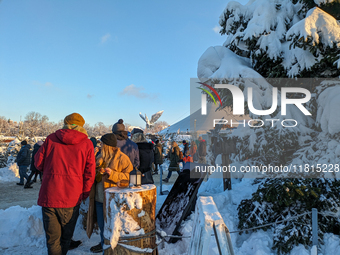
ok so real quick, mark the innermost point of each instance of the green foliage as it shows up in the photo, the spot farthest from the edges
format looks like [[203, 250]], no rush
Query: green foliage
[[281, 199]]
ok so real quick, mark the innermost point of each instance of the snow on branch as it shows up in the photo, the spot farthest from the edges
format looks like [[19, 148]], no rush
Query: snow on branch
[[319, 26]]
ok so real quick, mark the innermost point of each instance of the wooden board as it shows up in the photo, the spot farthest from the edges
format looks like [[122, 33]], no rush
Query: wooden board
[[180, 201]]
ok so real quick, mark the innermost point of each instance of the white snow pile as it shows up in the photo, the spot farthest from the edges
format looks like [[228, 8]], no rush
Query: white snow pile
[[20, 226], [221, 63], [10, 173]]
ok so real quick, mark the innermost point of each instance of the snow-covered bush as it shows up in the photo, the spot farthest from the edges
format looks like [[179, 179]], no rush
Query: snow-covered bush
[[281, 199]]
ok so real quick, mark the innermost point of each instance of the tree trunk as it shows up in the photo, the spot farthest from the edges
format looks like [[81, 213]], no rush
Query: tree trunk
[[142, 212]]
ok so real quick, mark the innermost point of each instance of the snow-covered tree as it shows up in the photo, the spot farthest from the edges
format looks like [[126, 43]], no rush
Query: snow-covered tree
[[34, 124], [289, 39], [4, 126]]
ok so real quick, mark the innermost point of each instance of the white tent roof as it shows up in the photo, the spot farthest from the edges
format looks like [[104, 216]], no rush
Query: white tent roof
[[203, 122]]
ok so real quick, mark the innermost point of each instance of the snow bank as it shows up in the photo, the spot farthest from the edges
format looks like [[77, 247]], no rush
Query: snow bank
[[21, 227], [10, 173]]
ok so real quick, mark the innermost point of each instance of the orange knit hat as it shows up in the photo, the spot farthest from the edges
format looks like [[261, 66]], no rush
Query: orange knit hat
[[74, 118]]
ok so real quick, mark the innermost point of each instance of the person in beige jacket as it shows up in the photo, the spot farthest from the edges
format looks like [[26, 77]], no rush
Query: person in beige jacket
[[112, 166]]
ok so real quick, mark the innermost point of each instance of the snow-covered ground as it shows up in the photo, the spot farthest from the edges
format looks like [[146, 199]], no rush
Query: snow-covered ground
[[21, 229]]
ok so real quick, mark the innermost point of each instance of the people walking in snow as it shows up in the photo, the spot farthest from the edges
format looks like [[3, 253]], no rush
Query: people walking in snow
[[202, 150], [158, 157], [125, 144], [174, 160], [67, 161], [23, 161], [34, 170], [112, 166], [146, 157]]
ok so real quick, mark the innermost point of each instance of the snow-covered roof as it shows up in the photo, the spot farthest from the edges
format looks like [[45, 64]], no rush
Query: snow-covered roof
[[203, 122]]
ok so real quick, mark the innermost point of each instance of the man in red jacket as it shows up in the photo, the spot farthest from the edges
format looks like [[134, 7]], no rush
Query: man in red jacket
[[68, 164]]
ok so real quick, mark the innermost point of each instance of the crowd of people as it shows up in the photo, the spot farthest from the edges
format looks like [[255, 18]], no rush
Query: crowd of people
[[73, 168]]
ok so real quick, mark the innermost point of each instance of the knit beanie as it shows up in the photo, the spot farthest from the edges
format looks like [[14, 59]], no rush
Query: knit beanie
[[74, 118], [119, 126], [109, 139], [24, 142]]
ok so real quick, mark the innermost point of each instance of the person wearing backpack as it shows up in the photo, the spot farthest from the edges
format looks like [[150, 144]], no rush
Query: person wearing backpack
[[174, 156]]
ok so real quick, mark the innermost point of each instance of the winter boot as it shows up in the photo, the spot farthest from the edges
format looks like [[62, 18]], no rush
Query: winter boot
[[166, 180], [74, 244], [97, 248], [28, 185]]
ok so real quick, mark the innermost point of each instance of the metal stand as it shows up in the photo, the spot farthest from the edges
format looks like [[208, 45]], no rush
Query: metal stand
[[161, 192]]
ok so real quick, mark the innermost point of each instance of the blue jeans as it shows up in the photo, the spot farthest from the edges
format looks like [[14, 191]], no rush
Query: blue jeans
[[100, 220], [23, 174]]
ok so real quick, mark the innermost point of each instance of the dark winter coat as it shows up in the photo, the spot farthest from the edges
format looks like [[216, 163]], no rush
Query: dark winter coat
[[174, 159], [128, 147], [202, 148], [36, 147], [159, 154], [146, 156], [186, 148], [24, 156], [67, 161]]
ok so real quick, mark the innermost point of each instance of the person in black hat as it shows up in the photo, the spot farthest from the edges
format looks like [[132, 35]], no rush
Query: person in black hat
[[125, 144], [186, 147], [23, 161]]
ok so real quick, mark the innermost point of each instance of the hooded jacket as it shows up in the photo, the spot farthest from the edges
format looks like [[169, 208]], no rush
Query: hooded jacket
[[24, 156], [67, 161]]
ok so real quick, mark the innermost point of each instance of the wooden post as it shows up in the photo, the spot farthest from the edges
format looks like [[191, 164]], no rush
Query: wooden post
[[130, 215], [315, 227]]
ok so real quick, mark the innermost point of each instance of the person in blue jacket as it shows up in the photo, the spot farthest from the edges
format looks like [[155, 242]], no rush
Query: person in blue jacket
[[125, 144], [23, 161]]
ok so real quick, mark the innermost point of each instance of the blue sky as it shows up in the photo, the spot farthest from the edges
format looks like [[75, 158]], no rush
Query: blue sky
[[103, 59]]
